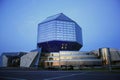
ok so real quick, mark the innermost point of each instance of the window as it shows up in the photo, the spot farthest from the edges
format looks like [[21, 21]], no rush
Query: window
[[57, 30]]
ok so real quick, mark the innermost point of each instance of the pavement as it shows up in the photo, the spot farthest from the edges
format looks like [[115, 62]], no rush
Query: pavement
[[57, 75]]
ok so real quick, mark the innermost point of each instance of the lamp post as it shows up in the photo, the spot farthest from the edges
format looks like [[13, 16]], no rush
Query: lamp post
[[109, 60]]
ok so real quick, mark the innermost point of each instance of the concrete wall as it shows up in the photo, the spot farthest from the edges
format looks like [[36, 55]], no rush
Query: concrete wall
[[26, 60], [4, 61], [115, 56]]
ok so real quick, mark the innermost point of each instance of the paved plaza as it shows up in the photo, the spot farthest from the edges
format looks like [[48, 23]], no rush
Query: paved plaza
[[57, 75]]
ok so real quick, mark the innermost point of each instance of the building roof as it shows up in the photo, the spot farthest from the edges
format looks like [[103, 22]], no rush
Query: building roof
[[59, 16], [38, 50], [13, 54]]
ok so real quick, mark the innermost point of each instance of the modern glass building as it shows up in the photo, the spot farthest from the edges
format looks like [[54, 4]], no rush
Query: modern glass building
[[58, 33], [59, 40]]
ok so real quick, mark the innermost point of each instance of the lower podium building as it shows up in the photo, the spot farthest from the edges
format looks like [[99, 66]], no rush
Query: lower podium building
[[63, 59], [11, 59]]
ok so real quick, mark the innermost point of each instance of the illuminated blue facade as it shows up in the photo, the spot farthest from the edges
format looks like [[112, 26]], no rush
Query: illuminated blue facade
[[59, 32]]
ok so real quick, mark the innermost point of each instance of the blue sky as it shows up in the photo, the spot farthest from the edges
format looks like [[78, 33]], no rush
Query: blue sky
[[99, 19]]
